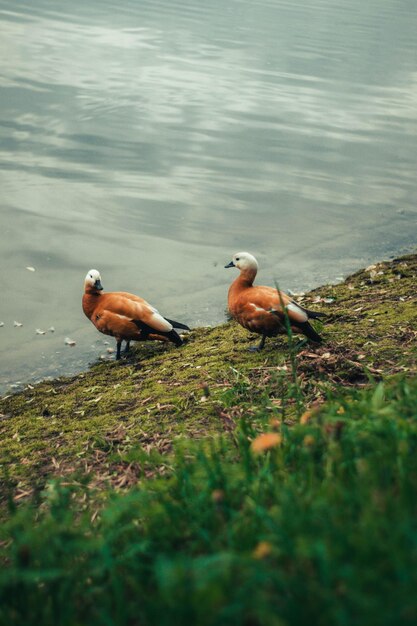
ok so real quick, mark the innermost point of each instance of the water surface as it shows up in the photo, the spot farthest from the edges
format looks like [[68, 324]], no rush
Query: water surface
[[153, 139]]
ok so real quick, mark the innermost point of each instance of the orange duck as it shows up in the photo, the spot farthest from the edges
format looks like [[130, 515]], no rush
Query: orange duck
[[125, 316], [261, 309]]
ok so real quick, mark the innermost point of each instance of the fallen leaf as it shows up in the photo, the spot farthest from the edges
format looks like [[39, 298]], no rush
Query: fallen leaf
[[94, 400], [309, 440], [263, 549], [306, 417], [266, 441], [217, 495]]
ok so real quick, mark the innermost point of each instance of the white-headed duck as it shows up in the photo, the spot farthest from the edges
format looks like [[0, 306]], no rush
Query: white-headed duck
[[261, 309], [125, 316]]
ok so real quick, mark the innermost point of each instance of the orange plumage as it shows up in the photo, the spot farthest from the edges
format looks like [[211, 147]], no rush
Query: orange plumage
[[261, 309], [125, 316]]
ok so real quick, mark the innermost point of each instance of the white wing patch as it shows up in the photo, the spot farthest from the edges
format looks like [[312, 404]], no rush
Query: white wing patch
[[297, 311], [159, 323], [258, 308]]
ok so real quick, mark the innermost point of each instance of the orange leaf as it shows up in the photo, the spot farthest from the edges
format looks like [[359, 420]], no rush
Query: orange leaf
[[265, 442]]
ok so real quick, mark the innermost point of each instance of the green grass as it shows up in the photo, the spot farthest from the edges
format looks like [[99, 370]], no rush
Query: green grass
[[321, 529], [102, 421], [132, 495]]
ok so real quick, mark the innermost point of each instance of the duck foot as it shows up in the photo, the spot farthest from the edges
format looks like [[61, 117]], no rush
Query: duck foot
[[259, 347]]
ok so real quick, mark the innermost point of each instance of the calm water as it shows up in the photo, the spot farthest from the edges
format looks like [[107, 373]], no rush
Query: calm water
[[151, 139]]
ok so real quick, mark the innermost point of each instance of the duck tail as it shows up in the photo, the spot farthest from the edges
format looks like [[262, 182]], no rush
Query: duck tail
[[174, 337], [177, 324], [311, 314], [309, 332], [315, 314]]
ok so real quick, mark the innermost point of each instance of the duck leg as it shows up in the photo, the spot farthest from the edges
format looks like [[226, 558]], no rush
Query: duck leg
[[260, 346], [118, 346]]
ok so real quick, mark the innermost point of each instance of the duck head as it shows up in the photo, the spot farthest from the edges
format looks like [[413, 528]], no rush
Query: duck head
[[93, 281], [244, 261]]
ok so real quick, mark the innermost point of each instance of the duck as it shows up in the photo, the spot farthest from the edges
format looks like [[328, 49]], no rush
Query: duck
[[263, 310], [125, 316]]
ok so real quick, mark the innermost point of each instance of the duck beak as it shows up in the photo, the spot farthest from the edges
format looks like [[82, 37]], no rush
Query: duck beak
[[98, 285], [231, 264]]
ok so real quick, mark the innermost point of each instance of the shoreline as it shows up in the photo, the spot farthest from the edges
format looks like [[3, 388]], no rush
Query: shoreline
[[97, 352], [161, 394]]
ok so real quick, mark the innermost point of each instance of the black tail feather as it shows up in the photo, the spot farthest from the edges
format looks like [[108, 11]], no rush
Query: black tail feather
[[147, 330], [309, 332], [177, 324], [174, 337], [312, 314]]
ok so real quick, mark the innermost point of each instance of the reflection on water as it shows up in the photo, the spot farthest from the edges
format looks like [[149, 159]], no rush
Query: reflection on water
[[153, 139]]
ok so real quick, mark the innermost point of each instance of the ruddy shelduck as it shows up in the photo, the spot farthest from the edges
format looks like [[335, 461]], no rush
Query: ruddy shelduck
[[125, 316], [264, 310]]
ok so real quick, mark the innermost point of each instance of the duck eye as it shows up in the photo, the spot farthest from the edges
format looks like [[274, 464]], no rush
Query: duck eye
[[237, 259]]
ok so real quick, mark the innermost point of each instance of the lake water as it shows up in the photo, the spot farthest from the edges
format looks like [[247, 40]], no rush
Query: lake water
[[152, 139]]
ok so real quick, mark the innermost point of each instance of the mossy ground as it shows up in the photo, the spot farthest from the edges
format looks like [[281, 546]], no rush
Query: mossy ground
[[117, 422]]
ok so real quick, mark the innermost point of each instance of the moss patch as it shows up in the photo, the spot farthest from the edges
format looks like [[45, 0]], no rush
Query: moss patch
[[118, 422]]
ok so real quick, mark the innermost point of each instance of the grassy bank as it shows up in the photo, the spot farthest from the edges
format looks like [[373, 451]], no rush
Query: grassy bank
[[319, 528], [107, 421], [144, 492]]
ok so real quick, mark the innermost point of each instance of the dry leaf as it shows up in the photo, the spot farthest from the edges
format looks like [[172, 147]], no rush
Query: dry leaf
[[306, 417], [263, 549], [266, 441], [309, 440], [217, 495]]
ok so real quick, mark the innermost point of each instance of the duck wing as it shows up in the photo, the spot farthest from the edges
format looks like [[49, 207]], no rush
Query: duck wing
[[136, 310], [274, 302], [131, 296]]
